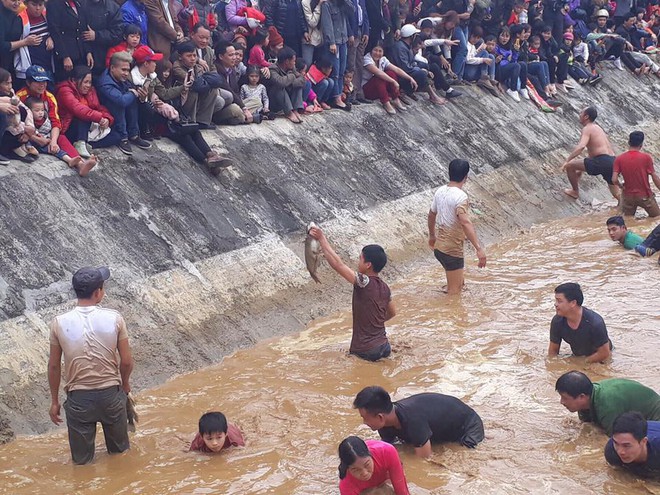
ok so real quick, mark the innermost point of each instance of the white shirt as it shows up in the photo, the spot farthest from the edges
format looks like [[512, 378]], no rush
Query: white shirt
[[168, 15], [383, 64], [445, 202]]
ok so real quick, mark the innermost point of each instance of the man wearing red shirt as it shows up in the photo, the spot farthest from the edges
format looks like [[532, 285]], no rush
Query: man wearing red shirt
[[636, 167]]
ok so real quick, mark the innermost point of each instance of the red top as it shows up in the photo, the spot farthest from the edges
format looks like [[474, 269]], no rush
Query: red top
[[635, 167], [387, 466], [257, 57], [49, 102], [234, 439], [73, 105]]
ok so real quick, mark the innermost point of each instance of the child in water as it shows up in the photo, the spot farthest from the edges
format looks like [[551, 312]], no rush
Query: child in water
[[215, 434]]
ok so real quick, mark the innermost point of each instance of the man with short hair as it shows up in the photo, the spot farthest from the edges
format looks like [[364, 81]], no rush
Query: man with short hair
[[420, 420], [602, 402], [285, 86], [601, 155], [97, 368], [449, 224], [233, 110], [635, 445], [372, 299], [618, 231], [636, 167], [122, 99], [105, 29], [583, 329]]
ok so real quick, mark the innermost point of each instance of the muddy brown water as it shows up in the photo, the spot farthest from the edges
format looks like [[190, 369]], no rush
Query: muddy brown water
[[292, 396]]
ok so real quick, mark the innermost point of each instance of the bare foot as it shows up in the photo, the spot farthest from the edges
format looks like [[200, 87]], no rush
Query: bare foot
[[75, 162], [293, 117], [86, 166], [438, 100], [573, 194]]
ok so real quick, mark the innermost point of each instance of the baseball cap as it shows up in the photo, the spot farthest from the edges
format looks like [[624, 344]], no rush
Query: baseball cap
[[37, 73], [88, 279], [144, 54], [408, 30]]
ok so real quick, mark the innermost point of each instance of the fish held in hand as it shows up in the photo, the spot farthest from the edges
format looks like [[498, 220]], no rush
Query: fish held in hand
[[131, 413], [312, 253]]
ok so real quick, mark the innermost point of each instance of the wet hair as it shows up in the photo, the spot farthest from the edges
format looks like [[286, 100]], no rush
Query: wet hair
[[571, 291], [80, 72], [259, 36], [199, 26], [132, 29], [286, 53], [221, 47], [350, 450], [212, 422], [374, 399], [592, 113], [631, 422], [4, 75], [30, 101], [119, 57], [616, 220], [636, 139], [477, 32], [301, 64], [186, 47], [375, 254], [574, 383], [458, 169]]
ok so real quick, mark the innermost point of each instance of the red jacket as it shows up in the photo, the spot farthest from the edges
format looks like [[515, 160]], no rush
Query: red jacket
[[71, 108]]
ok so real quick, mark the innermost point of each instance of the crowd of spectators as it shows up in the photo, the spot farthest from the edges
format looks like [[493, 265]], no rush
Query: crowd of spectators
[[76, 75]]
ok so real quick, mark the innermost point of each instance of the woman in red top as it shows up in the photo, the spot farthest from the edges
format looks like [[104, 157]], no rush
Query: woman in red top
[[369, 464]]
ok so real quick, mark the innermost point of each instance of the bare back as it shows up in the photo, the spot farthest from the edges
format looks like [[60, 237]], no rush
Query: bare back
[[597, 142]]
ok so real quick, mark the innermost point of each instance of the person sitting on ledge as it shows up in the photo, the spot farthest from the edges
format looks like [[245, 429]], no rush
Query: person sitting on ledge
[[285, 86], [635, 445], [216, 434], [602, 402]]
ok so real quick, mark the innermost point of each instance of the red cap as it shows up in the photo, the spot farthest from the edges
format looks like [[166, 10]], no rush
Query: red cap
[[144, 54]]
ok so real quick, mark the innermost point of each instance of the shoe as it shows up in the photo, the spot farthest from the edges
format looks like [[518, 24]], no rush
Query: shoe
[[4, 160], [453, 94], [485, 84], [31, 150], [125, 147], [553, 103], [405, 100], [257, 118], [81, 148], [206, 127], [218, 163], [346, 108], [413, 97], [595, 79], [355, 102], [524, 93], [141, 143], [617, 64], [513, 94], [25, 158], [644, 251], [365, 101], [147, 135], [561, 88]]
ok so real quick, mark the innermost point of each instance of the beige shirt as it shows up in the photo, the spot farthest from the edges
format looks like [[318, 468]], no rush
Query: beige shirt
[[448, 203], [88, 337]]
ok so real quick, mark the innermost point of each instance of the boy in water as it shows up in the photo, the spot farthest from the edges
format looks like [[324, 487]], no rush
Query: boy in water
[[215, 434], [372, 300], [616, 228]]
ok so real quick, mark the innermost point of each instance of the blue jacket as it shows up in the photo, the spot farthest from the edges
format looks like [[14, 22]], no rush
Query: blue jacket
[[113, 93], [355, 28], [135, 13]]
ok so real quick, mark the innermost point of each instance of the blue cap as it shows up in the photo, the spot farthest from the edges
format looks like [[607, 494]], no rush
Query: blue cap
[[37, 73]]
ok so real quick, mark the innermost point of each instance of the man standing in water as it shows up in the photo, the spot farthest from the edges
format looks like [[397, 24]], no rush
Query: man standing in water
[[449, 224], [97, 367], [372, 300], [601, 155], [582, 328], [602, 402]]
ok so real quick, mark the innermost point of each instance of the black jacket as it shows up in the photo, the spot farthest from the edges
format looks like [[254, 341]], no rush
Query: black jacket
[[11, 29], [105, 19], [66, 28], [276, 15]]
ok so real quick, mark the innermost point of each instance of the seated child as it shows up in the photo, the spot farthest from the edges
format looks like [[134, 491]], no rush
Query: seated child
[[254, 94], [319, 75], [215, 434], [347, 92], [310, 101], [257, 53], [132, 39], [578, 68], [19, 126], [41, 137]]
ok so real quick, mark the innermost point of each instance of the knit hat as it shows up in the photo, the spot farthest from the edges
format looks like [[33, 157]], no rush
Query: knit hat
[[568, 36], [275, 38], [240, 37]]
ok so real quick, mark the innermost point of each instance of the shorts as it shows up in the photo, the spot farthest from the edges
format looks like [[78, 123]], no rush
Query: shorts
[[448, 262], [382, 351], [473, 431], [85, 408], [629, 205], [602, 165]]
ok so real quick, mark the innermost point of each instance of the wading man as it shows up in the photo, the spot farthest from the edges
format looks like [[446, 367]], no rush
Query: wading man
[[449, 224], [419, 420], [635, 445], [602, 402], [97, 367], [601, 155], [583, 329]]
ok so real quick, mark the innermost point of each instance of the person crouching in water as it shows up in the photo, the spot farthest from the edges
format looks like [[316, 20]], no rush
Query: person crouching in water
[[216, 434], [372, 299]]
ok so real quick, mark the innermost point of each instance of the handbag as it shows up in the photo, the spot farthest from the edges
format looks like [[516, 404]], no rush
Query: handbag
[[96, 133]]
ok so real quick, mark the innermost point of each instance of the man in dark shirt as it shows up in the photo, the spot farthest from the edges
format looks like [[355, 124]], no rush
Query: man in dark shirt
[[582, 328], [372, 301], [635, 445], [420, 420]]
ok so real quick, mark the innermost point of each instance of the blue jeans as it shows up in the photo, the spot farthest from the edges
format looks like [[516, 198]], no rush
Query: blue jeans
[[126, 119], [323, 90], [78, 131], [379, 352], [509, 75], [458, 64], [475, 72], [540, 70], [338, 67]]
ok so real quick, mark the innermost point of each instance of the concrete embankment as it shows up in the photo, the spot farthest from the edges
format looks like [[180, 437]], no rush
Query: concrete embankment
[[202, 266]]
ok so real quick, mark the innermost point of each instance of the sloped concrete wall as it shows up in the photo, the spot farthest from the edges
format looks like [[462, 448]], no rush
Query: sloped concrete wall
[[202, 266]]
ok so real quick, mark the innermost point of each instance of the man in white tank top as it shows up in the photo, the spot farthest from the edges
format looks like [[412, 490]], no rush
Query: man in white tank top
[[97, 367], [449, 224]]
